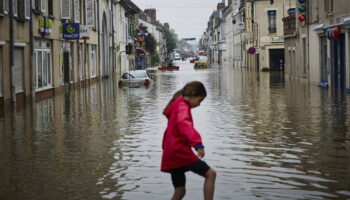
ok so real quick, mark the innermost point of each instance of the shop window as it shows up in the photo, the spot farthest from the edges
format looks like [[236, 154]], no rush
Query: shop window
[[43, 68], [272, 21]]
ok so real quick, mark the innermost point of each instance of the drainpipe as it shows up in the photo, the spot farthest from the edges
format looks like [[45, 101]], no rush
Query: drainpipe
[[12, 51], [98, 35], [85, 46], [113, 45], [32, 63]]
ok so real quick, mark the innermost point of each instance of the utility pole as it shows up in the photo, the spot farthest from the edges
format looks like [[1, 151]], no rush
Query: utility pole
[[12, 51]]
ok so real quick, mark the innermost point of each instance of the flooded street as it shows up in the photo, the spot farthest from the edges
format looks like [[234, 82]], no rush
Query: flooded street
[[267, 138]]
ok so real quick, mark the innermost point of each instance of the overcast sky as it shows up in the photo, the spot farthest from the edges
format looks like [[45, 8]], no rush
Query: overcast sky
[[187, 17]]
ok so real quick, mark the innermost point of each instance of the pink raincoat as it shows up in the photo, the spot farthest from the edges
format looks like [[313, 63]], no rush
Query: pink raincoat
[[179, 137]]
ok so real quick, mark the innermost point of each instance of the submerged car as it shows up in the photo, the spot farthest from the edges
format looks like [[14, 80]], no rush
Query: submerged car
[[136, 78], [201, 65]]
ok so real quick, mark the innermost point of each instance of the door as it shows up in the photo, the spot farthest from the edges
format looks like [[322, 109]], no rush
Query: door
[[1, 74], [66, 68], [18, 70], [276, 59], [338, 62]]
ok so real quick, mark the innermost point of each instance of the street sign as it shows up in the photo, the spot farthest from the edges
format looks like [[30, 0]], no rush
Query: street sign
[[251, 50], [71, 31]]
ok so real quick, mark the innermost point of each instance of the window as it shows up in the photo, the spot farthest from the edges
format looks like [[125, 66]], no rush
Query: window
[[23, 10], [93, 61], [1, 89], [89, 12], [50, 8], [323, 49], [65, 9], [42, 5], [43, 64], [18, 70], [4, 7], [15, 8], [328, 7], [272, 21], [27, 9], [43, 68], [76, 10]]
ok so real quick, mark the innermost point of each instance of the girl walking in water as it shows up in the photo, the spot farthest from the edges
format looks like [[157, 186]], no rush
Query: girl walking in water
[[179, 139]]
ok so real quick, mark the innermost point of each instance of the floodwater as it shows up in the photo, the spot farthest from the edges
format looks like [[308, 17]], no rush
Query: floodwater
[[267, 138]]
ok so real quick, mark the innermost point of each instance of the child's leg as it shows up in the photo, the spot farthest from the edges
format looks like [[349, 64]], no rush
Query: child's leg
[[209, 184], [179, 181], [179, 193]]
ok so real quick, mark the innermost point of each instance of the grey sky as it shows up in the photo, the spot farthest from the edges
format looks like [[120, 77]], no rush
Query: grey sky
[[187, 17]]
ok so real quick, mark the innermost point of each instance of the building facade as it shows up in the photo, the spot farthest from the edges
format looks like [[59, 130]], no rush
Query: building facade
[[49, 46], [322, 41]]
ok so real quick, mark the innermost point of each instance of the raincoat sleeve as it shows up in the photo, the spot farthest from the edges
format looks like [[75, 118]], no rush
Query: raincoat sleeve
[[185, 126]]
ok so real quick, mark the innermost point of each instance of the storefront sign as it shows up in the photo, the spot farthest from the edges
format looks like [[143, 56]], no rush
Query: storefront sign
[[71, 31]]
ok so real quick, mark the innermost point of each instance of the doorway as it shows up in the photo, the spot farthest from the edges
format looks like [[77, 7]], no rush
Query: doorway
[[338, 62], [276, 59]]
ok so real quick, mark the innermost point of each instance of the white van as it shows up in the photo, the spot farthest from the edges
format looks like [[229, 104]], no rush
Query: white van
[[177, 56]]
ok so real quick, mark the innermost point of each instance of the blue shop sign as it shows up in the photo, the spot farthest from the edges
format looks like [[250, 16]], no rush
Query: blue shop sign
[[71, 31]]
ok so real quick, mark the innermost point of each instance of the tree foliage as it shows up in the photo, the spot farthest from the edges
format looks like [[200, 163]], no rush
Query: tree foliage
[[170, 41], [151, 43]]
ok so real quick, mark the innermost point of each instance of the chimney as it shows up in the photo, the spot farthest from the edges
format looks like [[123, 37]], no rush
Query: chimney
[[221, 6], [167, 26], [153, 14], [230, 2]]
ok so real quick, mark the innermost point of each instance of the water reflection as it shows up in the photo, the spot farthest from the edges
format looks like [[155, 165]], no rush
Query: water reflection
[[268, 138]]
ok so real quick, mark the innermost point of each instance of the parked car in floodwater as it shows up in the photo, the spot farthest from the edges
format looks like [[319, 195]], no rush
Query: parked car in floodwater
[[136, 78]]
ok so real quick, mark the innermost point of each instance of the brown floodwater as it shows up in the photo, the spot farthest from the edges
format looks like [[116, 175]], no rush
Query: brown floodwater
[[267, 137]]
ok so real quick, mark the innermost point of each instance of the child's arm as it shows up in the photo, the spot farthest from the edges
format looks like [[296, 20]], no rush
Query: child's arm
[[186, 128]]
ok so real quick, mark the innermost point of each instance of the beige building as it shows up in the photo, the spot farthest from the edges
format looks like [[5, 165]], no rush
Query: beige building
[[312, 55], [264, 33], [49, 58]]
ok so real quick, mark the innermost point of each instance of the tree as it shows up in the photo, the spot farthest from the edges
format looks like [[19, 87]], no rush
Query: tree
[[151, 43], [170, 41]]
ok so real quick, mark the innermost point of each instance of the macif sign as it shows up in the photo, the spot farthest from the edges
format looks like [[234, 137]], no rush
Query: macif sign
[[71, 31]]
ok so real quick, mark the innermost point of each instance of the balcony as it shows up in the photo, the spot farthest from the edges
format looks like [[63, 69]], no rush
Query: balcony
[[289, 25]]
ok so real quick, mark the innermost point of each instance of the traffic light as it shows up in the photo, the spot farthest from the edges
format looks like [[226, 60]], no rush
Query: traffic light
[[302, 9]]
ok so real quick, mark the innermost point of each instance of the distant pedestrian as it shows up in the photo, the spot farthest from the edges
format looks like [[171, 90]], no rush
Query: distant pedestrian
[[180, 137]]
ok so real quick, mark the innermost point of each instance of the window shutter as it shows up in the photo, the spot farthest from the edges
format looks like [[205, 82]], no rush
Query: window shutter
[[27, 9], [89, 12], [77, 10], [65, 9], [21, 10]]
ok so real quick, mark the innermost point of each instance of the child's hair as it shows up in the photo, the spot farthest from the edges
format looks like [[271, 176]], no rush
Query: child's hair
[[191, 89]]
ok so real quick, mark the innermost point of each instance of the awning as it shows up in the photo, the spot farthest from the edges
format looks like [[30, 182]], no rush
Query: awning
[[140, 51]]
